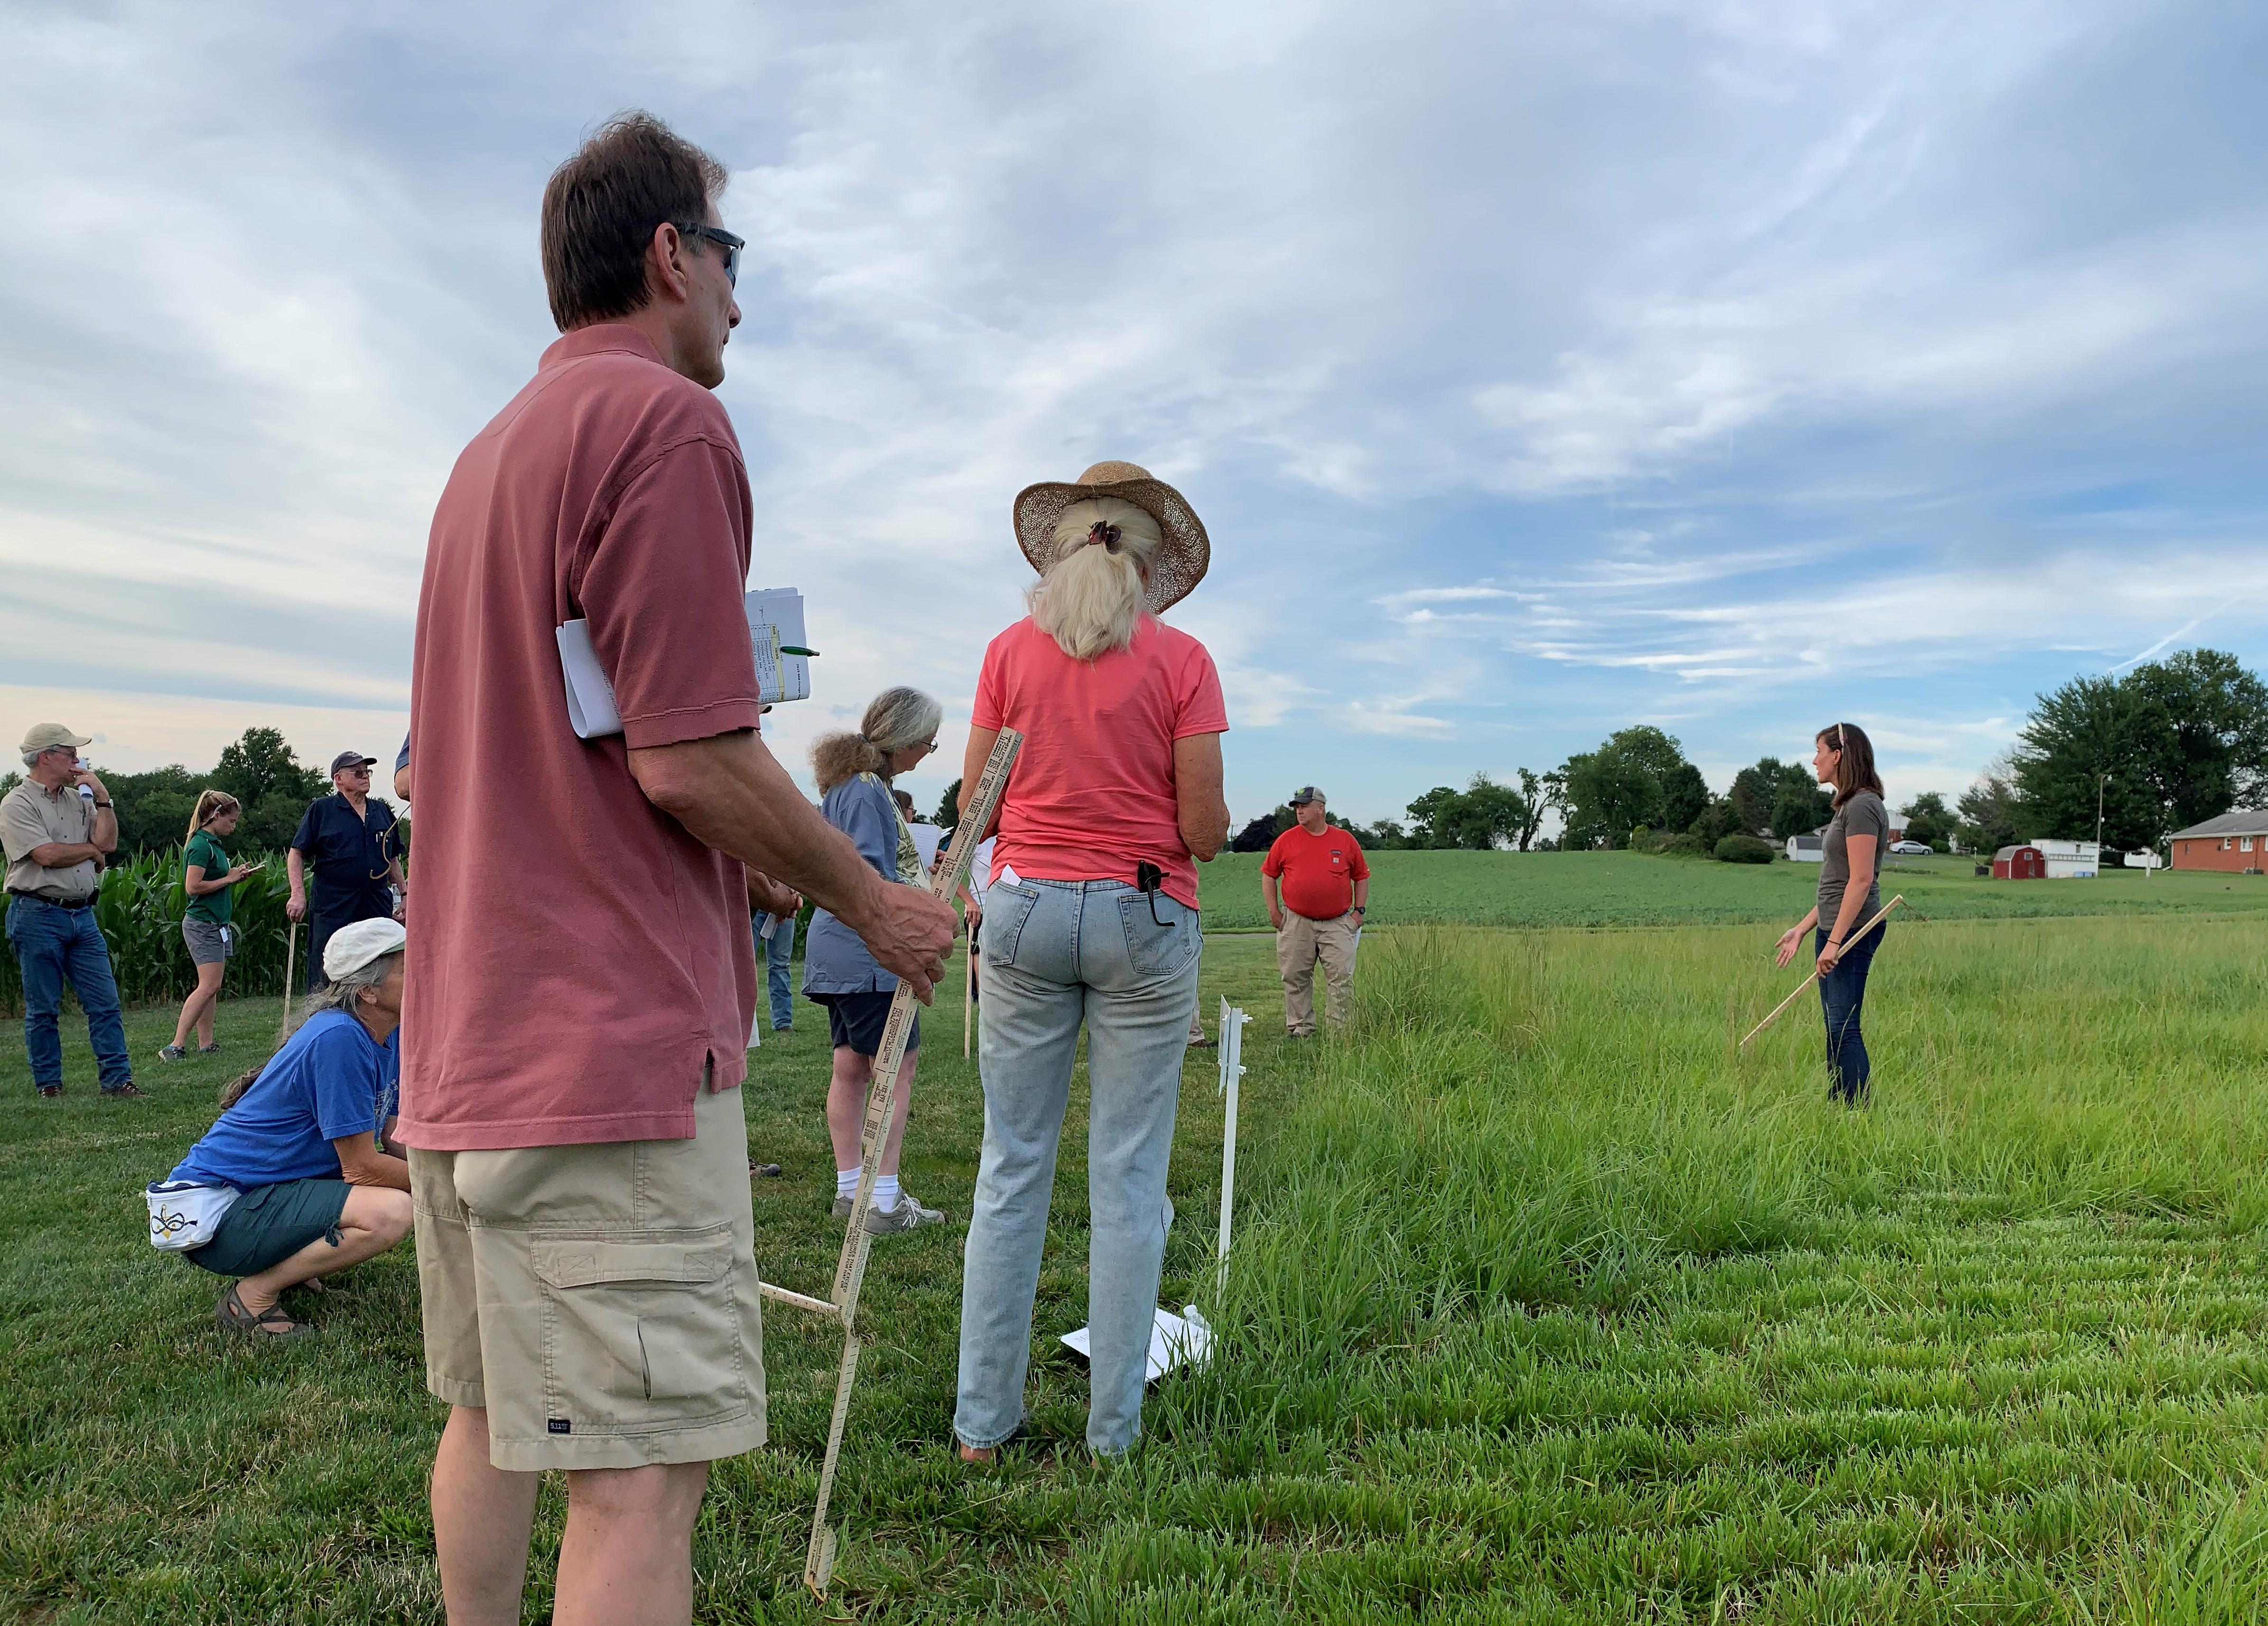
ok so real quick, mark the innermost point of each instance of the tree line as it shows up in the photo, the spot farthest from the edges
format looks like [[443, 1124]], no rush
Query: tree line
[[2165, 745], [2169, 743], [259, 770]]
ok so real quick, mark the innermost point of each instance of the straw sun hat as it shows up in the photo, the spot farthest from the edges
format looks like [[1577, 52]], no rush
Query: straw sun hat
[[1183, 551]]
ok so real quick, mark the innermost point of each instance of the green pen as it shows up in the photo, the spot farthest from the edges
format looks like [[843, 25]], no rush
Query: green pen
[[796, 649]]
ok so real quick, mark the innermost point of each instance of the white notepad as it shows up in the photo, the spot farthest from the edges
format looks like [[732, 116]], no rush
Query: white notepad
[[774, 621]]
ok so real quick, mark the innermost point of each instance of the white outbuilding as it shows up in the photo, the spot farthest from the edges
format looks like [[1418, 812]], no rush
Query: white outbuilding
[[2071, 860]]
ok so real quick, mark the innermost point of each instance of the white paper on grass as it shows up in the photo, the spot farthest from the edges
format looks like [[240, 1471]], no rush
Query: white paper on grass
[[1174, 1340], [775, 618]]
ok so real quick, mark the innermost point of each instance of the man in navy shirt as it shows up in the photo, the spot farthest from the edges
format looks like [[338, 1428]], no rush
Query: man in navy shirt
[[352, 843]]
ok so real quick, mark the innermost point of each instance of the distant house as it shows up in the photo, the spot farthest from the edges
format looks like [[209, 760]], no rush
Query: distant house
[[2019, 864], [2236, 842], [1807, 848]]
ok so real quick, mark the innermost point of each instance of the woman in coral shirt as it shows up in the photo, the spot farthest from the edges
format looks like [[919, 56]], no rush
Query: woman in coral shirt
[[1091, 917]]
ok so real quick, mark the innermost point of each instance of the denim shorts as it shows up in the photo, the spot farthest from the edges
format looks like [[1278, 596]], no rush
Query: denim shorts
[[268, 1223]]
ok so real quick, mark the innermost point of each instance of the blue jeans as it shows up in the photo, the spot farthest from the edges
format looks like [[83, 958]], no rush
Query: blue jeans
[[55, 945], [1842, 992], [1058, 954], [776, 957]]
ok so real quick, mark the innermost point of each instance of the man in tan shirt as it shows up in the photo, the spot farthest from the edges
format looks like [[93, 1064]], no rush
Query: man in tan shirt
[[57, 828]]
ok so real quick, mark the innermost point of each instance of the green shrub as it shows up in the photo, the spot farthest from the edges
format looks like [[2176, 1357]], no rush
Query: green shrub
[[1746, 850], [1686, 846]]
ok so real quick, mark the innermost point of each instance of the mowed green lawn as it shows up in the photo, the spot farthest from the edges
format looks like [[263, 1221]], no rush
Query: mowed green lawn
[[1546, 1307], [1635, 889]]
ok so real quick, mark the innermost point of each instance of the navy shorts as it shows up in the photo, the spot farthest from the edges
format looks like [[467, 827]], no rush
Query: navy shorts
[[856, 1021], [268, 1223]]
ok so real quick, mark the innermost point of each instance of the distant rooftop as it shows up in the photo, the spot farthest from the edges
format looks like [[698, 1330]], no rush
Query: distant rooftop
[[2236, 821]]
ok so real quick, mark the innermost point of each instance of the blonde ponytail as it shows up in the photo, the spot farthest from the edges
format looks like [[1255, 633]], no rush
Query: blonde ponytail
[[211, 806], [1091, 600]]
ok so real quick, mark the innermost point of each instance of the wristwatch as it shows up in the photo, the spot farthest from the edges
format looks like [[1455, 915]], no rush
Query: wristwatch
[[102, 804]]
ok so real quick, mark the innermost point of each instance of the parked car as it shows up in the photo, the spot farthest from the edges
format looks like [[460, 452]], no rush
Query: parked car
[[1910, 849]]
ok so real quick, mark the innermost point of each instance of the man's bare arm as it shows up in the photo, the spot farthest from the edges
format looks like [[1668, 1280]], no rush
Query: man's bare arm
[[63, 855], [731, 792]]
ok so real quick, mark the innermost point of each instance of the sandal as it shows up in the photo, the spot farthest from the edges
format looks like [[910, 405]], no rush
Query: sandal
[[270, 1324]]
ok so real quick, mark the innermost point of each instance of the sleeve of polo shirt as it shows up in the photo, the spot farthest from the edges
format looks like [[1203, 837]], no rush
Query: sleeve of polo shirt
[[1201, 710], [1272, 865], [870, 819], [1358, 868], [347, 1081], [304, 837], [20, 829], [663, 593]]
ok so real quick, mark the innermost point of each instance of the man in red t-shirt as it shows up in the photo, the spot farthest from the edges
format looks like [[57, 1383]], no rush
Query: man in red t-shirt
[[1324, 886], [581, 980]]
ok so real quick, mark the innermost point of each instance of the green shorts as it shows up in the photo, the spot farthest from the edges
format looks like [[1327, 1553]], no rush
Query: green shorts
[[268, 1223]]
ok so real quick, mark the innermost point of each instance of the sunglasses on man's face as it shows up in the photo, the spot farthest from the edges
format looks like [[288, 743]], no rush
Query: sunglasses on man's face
[[725, 240]]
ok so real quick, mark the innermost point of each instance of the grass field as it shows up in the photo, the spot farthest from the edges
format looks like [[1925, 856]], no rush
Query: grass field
[[1632, 889], [1545, 1307]]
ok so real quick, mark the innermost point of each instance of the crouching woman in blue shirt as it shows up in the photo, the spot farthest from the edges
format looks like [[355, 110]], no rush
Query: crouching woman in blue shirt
[[300, 1138]]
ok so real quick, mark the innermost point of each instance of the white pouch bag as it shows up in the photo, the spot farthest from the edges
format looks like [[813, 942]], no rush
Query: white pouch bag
[[184, 1214]]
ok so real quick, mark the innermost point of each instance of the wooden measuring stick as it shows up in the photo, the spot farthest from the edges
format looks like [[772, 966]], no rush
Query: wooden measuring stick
[[881, 1097], [290, 964], [1814, 977]]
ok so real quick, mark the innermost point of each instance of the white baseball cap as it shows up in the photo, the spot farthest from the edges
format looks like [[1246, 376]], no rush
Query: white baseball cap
[[353, 948]]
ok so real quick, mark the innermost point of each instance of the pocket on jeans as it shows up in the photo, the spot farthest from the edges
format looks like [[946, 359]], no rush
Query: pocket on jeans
[[639, 1333], [1155, 949], [1006, 908]]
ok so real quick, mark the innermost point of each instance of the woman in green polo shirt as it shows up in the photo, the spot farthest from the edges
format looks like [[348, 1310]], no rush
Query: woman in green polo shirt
[[210, 883]]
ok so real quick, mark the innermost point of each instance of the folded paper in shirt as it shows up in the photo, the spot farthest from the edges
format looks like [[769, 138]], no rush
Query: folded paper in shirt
[[775, 625]]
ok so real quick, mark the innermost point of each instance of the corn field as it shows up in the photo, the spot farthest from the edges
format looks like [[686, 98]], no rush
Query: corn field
[[140, 913]]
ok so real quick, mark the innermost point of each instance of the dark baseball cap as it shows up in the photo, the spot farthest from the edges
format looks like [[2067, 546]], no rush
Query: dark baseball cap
[[352, 759], [1306, 793]]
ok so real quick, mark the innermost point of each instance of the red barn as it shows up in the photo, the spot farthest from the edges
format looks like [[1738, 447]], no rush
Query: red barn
[[2236, 842], [2019, 864]]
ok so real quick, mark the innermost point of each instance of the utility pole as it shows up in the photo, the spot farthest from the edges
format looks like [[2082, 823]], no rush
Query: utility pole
[[2100, 780]]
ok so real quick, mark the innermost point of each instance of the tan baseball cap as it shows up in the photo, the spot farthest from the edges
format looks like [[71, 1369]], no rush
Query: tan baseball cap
[[47, 736]]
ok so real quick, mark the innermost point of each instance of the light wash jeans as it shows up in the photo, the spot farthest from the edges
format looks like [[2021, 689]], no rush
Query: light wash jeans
[[1058, 953], [776, 958]]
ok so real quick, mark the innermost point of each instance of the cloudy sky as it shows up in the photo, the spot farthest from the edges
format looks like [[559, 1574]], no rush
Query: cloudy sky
[[1538, 369]]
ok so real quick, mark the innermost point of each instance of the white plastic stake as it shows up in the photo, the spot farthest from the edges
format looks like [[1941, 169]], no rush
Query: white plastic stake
[[1232, 1069]]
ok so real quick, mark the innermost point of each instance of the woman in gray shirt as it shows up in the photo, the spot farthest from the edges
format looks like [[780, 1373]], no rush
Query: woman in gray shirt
[[1844, 757]]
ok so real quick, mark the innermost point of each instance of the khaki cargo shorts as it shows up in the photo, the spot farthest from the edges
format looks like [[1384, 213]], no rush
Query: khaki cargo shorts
[[600, 1301]]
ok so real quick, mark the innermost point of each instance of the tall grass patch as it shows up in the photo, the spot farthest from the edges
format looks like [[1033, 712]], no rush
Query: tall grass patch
[[1525, 1120]]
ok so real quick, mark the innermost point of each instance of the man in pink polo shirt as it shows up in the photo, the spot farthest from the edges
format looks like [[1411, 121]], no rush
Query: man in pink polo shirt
[[582, 983]]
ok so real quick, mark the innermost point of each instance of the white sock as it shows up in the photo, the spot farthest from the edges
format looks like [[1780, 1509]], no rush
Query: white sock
[[846, 1181], [886, 1193]]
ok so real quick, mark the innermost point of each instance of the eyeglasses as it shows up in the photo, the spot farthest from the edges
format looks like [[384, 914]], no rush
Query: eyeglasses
[[725, 240]]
